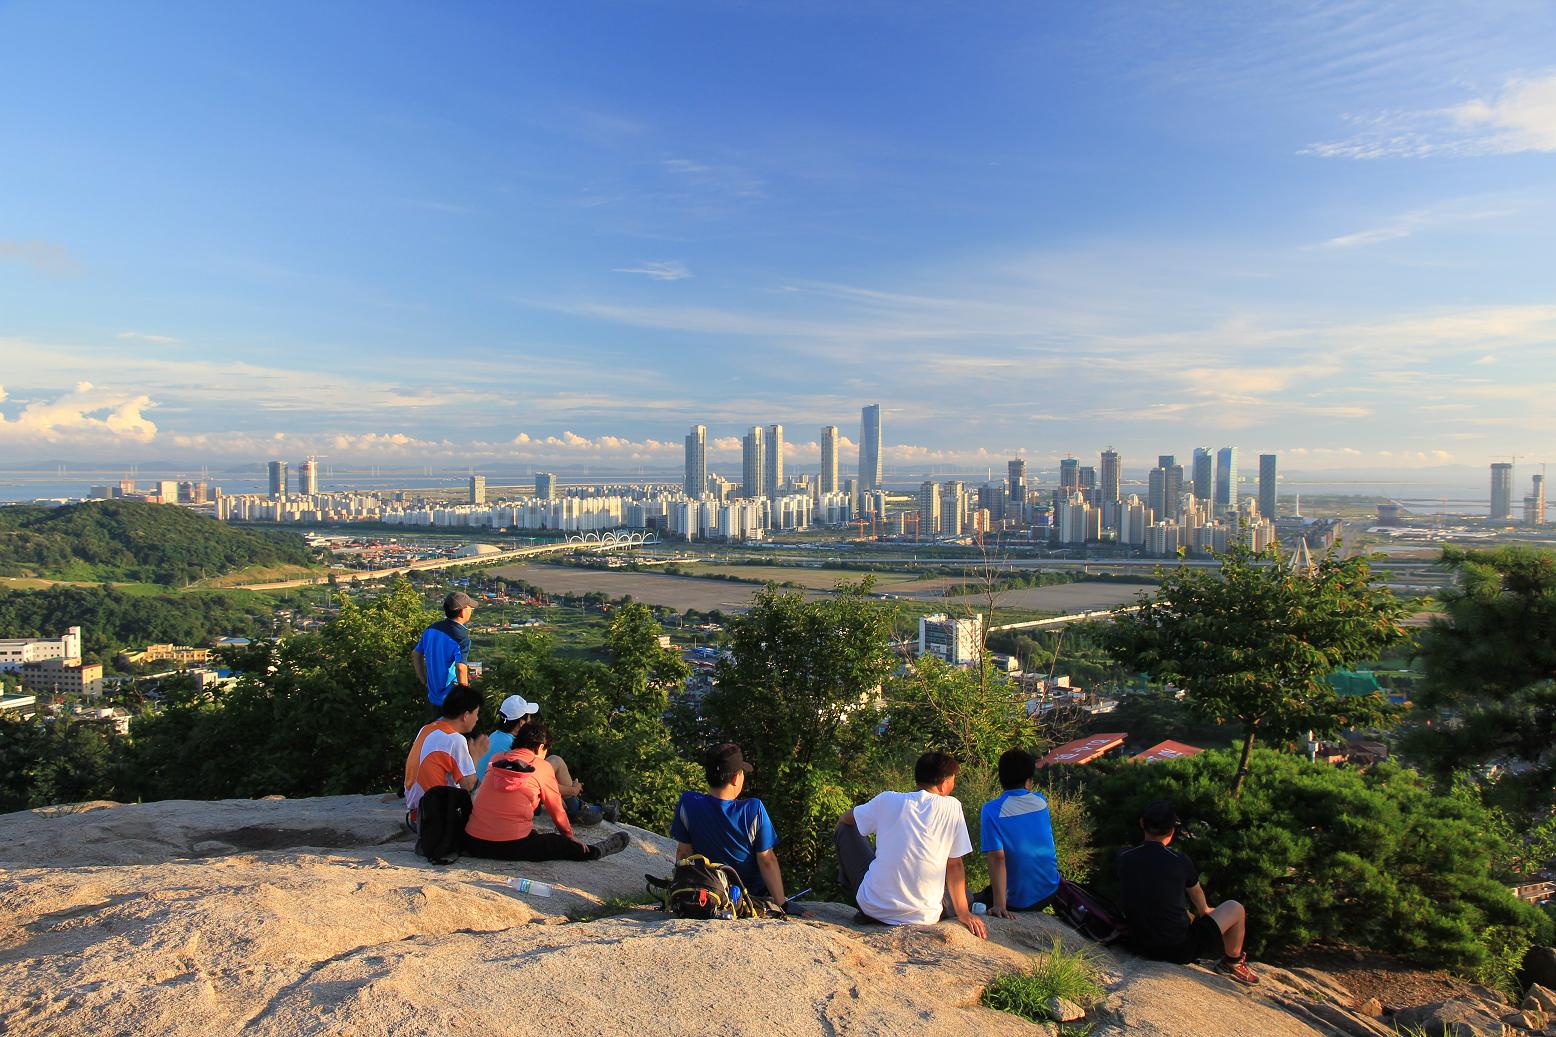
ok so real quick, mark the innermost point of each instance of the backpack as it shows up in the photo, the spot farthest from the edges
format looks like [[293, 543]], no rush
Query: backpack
[[701, 888], [1088, 913], [440, 823]]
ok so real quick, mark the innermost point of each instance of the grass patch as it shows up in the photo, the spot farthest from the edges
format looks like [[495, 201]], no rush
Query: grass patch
[[1071, 975], [612, 906], [259, 574]]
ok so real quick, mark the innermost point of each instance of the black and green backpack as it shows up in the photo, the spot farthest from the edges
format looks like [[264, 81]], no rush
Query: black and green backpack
[[701, 888]]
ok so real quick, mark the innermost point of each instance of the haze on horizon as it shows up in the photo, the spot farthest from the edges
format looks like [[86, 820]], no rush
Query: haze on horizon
[[501, 234]]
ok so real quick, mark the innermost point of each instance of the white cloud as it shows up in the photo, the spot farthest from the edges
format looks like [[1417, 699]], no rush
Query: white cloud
[[44, 256], [1521, 117], [85, 415], [141, 336], [658, 269]]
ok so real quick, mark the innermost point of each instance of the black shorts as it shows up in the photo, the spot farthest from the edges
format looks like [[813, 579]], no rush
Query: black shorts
[[1204, 941]]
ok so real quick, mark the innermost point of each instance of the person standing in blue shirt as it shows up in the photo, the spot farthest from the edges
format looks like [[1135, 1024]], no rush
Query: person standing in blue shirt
[[441, 658], [726, 829], [1017, 835]]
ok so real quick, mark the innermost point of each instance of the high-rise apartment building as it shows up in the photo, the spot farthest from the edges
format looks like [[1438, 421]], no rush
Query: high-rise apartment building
[[1088, 481], [928, 509], [1534, 504], [1069, 476], [696, 481], [953, 508], [545, 485], [308, 478], [772, 471], [751, 461], [1016, 489], [278, 479], [1164, 490], [1204, 473], [1226, 480], [828, 481], [1501, 492], [1111, 470], [870, 448], [1267, 494], [478, 489]]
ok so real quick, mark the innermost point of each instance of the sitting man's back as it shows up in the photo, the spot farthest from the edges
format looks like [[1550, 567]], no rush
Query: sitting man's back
[[726, 829], [1018, 837], [1160, 886]]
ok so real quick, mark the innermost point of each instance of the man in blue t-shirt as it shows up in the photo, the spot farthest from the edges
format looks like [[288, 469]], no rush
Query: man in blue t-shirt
[[441, 658], [726, 829], [1018, 837]]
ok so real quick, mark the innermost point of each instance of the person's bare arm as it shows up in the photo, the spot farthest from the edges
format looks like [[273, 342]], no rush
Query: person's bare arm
[[997, 884], [767, 864], [847, 818], [1197, 900], [419, 664], [683, 851], [956, 885], [467, 783], [463, 670]]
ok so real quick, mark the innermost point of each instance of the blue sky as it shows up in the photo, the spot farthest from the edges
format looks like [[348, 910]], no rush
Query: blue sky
[[534, 233]]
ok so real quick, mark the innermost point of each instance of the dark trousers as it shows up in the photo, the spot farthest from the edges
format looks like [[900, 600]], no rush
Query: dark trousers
[[854, 856], [537, 846]]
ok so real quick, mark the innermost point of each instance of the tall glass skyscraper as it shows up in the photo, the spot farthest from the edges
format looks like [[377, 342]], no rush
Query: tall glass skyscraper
[[278, 479], [752, 460], [870, 448], [1110, 471], [1204, 474], [772, 472], [1226, 480], [828, 480], [1267, 497], [1501, 491], [696, 483], [1016, 489]]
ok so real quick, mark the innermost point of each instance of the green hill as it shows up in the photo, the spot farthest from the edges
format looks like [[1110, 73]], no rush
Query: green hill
[[133, 541]]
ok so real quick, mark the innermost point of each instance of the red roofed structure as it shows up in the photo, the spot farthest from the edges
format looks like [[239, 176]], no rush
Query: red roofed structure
[[1085, 750], [1168, 750]]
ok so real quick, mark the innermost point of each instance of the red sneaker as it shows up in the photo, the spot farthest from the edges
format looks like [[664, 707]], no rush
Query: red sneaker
[[1237, 969]]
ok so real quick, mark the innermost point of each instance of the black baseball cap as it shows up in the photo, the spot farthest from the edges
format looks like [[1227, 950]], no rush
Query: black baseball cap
[[1160, 817], [723, 762], [456, 601]]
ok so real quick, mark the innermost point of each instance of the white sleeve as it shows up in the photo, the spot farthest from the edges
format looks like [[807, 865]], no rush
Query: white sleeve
[[961, 843], [867, 816], [462, 758]]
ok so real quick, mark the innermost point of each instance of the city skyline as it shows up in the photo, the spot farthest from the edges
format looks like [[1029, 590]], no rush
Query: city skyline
[[554, 239]]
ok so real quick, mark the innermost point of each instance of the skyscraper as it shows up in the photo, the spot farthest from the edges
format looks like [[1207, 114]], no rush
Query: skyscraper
[[1069, 476], [278, 479], [772, 472], [1111, 469], [1501, 492], [1016, 489], [1534, 504], [928, 509], [1204, 473], [1226, 480], [1267, 498], [829, 459], [478, 489], [545, 485], [870, 448], [696, 481], [308, 478], [1165, 490], [751, 481]]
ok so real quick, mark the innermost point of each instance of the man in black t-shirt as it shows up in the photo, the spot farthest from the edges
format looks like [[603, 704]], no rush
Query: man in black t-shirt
[[1159, 887]]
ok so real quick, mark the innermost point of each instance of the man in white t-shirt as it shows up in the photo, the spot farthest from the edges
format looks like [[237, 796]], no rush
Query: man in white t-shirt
[[920, 840]]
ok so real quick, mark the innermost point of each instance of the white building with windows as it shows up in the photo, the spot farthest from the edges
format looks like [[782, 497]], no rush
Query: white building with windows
[[16, 652], [955, 641]]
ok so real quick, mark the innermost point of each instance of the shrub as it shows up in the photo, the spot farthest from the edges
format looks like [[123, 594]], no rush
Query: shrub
[[1323, 854], [1071, 975]]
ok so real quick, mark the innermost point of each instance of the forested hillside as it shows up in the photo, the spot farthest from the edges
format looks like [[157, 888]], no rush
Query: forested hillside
[[112, 620], [134, 541]]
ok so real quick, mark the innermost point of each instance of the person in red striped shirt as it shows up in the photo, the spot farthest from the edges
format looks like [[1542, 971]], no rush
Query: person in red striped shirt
[[441, 753]]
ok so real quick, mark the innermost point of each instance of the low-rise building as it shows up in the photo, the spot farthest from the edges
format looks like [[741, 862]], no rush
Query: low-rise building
[[955, 641], [16, 652], [1086, 750], [53, 677]]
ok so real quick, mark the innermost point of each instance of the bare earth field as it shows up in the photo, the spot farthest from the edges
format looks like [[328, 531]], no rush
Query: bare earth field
[[815, 579], [677, 592]]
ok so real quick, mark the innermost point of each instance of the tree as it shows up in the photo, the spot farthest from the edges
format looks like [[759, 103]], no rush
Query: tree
[[800, 695], [1330, 855], [965, 711], [1255, 640], [1491, 661]]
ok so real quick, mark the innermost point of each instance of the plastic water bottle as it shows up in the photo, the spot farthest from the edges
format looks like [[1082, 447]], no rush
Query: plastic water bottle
[[530, 886], [979, 907]]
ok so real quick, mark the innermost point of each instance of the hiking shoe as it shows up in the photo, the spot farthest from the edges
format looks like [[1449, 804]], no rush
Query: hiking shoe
[[613, 843], [611, 811], [587, 816], [1237, 969]]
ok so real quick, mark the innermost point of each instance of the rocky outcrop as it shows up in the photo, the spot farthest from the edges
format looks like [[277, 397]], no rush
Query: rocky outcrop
[[315, 917]]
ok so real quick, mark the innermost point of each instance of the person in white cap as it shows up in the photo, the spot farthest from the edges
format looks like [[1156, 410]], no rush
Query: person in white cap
[[514, 712]]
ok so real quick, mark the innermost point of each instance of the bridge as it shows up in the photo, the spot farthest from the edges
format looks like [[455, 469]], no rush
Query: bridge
[[590, 542], [1060, 621]]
